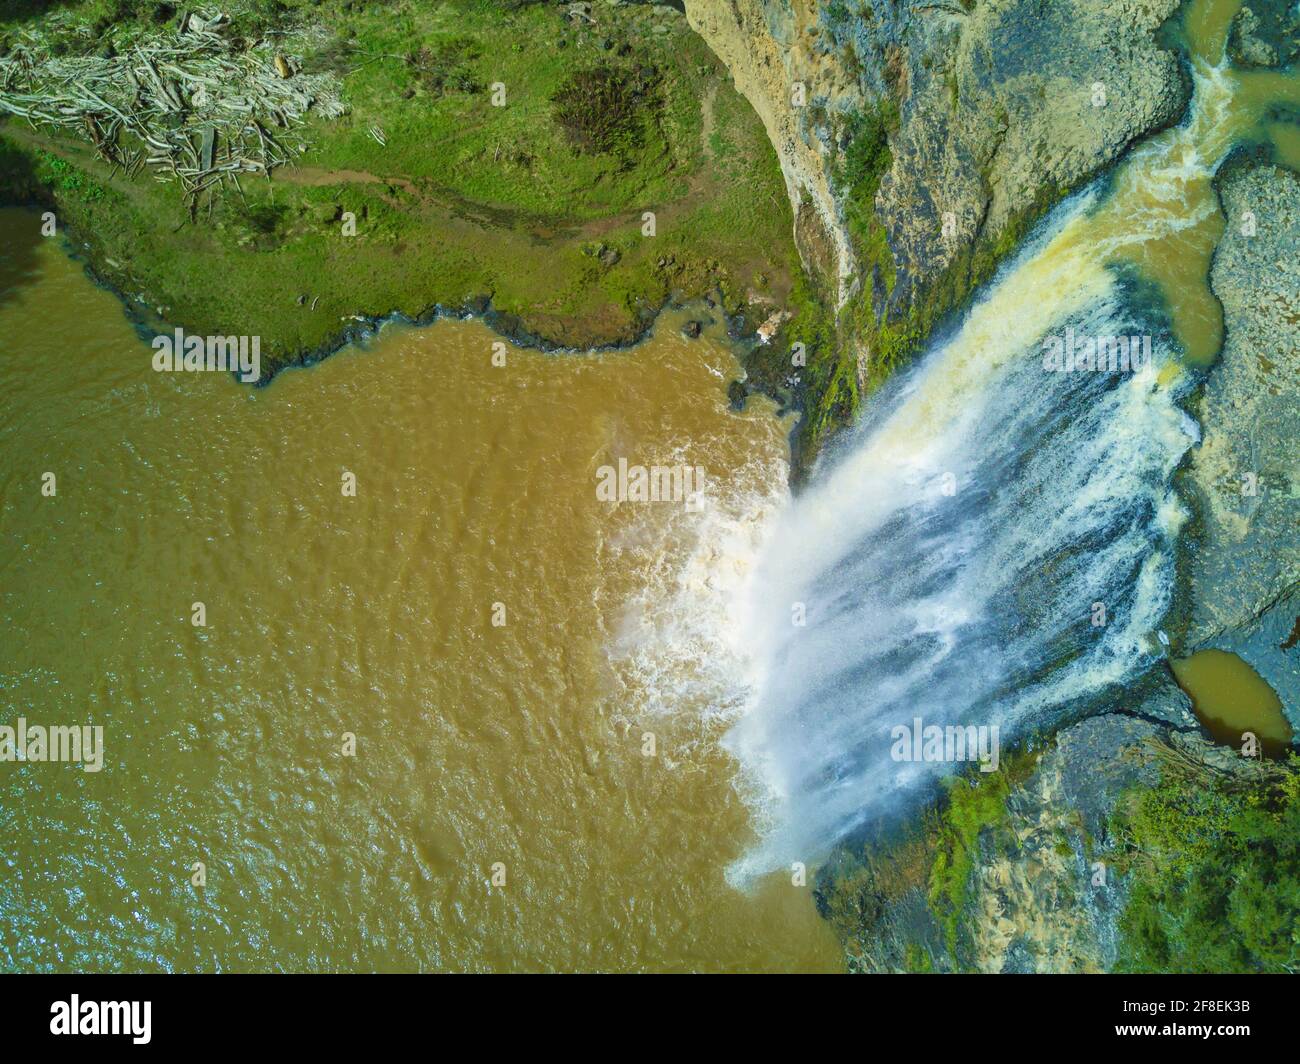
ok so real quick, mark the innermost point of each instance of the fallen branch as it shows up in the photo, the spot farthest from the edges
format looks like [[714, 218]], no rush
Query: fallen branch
[[198, 104]]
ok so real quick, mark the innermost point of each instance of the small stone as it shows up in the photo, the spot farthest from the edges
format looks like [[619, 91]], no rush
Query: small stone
[[691, 330]]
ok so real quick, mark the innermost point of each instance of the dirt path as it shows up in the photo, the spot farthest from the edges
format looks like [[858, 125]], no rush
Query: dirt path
[[315, 177], [707, 121]]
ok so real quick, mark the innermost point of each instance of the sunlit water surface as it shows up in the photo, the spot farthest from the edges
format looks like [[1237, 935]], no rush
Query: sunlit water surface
[[522, 745]]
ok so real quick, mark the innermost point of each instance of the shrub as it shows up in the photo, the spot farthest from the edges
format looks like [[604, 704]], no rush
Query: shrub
[[604, 109], [447, 66], [1216, 876]]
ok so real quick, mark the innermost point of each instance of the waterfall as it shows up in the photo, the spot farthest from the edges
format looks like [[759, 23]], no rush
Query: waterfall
[[991, 546]]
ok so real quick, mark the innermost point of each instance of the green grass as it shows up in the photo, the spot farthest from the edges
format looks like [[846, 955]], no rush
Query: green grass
[[464, 200], [1215, 867], [515, 157], [68, 179]]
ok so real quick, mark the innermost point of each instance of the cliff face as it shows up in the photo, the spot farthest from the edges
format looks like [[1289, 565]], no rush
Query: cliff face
[[992, 110], [995, 107], [1048, 868], [1244, 561], [1037, 895], [1008, 107], [776, 53]]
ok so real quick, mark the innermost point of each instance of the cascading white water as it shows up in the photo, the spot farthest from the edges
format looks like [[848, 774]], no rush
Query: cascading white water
[[948, 558], [950, 561]]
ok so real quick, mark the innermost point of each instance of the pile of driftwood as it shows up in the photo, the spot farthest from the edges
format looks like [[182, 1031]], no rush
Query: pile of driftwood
[[196, 106]]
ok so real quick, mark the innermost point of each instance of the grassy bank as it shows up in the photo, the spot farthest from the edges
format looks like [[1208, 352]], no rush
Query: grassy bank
[[537, 205]]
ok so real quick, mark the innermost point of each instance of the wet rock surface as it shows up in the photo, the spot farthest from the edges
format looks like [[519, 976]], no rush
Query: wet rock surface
[[1265, 34], [1001, 109], [1043, 899], [1005, 109], [1244, 563], [1043, 893], [1039, 896]]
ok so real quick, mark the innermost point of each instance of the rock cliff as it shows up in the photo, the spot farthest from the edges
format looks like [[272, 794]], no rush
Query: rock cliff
[[994, 110], [1244, 558]]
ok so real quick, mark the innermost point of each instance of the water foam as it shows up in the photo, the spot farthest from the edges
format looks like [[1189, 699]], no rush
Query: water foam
[[949, 557], [676, 643]]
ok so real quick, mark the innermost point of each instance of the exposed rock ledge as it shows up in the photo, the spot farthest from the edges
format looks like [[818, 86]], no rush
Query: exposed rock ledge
[[769, 47], [996, 104], [1043, 893], [1244, 559]]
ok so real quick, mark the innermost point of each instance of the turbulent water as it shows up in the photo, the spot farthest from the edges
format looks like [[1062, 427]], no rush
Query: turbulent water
[[949, 563], [993, 547]]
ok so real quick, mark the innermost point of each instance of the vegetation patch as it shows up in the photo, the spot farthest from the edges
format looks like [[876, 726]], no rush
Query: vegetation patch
[[424, 193], [447, 66], [976, 801], [859, 167], [838, 346], [1215, 873], [605, 109], [864, 891]]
